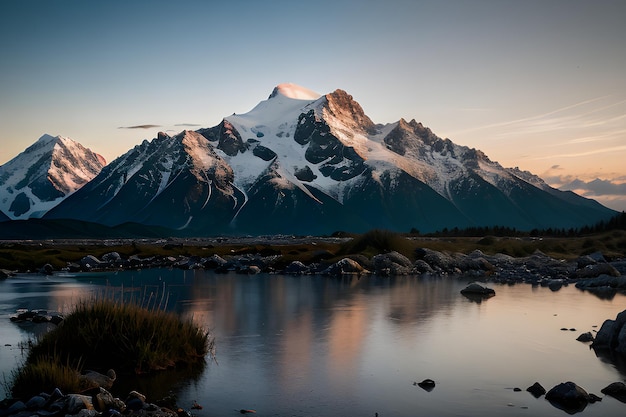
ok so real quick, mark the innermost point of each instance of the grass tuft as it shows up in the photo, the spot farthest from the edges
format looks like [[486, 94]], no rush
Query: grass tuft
[[103, 334]]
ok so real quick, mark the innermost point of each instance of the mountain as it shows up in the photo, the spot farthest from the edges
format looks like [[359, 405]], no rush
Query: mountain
[[4, 217], [44, 174], [304, 163]]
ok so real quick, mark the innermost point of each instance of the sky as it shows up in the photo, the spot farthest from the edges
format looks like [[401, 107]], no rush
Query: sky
[[539, 85]]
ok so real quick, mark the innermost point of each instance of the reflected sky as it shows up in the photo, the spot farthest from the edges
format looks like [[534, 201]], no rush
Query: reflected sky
[[315, 346]]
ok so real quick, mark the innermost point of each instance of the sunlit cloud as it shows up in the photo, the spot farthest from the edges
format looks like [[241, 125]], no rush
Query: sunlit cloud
[[609, 192]]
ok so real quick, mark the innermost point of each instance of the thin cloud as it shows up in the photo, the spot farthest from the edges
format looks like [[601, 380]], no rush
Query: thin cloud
[[585, 153], [139, 127], [537, 117], [188, 124]]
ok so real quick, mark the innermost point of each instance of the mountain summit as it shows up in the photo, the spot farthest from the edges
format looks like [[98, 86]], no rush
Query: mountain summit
[[304, 163], [44, 174]]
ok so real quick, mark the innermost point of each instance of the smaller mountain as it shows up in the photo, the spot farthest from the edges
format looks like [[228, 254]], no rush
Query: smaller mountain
[[4, 217], [173, 182], [44, 174]]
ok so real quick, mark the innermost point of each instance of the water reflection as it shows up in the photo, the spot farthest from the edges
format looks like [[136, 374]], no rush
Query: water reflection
[[314, 346]]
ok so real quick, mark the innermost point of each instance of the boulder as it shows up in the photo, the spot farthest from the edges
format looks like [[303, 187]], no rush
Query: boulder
[[89, 262], [427, 385], [343, 267], [612, 335], [438, 261], [77, 402], [112, 258], [296, 268], [569, 397], [214, 262], [93, 379], [616, 390], [421, 267], [391, 263], [536, 389], [477, 289], [585, 337], [594, 270]]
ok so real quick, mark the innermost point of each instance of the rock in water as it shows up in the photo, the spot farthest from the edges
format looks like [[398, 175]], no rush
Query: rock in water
[[569, 397], [536, 389], [616, 390], [427, 385], [585, 337]]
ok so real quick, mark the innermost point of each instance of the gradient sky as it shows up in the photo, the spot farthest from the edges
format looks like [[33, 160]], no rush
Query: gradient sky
[[540, 85]]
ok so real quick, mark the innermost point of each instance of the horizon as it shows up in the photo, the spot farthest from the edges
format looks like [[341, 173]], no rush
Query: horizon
[[532, 85]]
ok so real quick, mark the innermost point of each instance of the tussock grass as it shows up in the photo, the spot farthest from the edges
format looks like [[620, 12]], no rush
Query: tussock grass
[[378, 241], [103, 334], [44, 374]]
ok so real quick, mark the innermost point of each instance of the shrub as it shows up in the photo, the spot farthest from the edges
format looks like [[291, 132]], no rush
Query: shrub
[[103, 334]]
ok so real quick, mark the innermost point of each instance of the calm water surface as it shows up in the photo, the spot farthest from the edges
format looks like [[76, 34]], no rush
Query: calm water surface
[[313, 346]]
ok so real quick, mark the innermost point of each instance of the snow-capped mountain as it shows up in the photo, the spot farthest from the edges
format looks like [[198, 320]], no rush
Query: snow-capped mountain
[[304, 163], [44, 174]]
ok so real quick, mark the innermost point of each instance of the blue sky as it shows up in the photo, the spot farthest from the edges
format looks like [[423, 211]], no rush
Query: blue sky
[[536, 84]]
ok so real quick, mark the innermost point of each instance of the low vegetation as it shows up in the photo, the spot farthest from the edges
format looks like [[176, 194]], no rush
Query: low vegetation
[[31, 257], [103, 334]]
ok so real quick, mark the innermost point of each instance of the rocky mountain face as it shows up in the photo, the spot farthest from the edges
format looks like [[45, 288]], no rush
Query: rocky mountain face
[[301, 163], [44, 174]]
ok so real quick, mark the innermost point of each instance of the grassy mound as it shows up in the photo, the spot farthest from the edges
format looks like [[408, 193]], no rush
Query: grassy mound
[[103, 334]]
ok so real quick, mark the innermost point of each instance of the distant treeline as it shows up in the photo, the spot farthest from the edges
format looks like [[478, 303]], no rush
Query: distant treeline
[[617, 222]]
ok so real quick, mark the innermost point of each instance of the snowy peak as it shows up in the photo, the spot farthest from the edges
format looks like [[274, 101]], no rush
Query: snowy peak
[[341, 107], [44, 174], [294, 91]]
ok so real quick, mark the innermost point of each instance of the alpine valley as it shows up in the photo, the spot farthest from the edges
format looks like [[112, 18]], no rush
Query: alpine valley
[[297, 163]]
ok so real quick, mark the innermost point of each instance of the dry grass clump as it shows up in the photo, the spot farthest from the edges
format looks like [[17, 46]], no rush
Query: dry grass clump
[[103, 334]]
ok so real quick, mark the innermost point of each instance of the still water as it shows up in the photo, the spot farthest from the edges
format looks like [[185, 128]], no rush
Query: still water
[[314, 346]]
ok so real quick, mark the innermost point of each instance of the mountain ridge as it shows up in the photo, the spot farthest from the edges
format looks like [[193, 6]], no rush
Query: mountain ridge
[[304, 163], [44, 174]]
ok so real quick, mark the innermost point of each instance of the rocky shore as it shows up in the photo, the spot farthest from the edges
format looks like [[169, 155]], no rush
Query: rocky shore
[[591, 272]]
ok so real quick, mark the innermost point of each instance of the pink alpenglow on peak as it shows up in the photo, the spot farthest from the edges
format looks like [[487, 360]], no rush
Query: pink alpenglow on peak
[[294, 91]]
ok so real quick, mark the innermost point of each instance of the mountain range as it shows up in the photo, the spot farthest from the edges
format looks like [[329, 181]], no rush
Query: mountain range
[[299, 163]]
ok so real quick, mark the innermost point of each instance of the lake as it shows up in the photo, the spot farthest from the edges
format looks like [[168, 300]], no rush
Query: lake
[[316, 346]]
